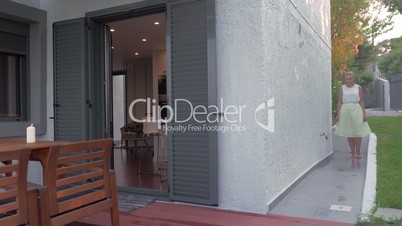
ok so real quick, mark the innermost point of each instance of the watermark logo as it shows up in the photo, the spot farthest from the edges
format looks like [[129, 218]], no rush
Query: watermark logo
[[190, 118], [267, 107]]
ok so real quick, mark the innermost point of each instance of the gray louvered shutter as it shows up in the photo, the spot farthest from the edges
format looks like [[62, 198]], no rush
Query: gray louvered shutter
[[193, 175], [13, 37], [70, 96], [12, 43]]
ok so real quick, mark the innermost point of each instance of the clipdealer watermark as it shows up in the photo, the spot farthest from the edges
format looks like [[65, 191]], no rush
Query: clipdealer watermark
[[190, 118], [204, 127]]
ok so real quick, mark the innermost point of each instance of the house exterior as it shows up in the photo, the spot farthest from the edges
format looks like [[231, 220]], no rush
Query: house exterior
[[269, 59]]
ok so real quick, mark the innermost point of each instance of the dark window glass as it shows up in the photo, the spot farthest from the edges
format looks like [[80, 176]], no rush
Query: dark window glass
[[11, 68]]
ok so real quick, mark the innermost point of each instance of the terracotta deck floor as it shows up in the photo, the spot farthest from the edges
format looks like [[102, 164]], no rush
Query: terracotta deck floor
[[166, 214]]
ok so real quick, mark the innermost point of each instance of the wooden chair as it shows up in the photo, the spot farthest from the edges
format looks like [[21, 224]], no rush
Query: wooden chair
[[132, 132], [18, 206], [80, 183]]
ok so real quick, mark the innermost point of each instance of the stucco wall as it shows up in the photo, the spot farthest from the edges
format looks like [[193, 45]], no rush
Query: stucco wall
[[242, 82], [278, 54], [265, 49], [303, 55]]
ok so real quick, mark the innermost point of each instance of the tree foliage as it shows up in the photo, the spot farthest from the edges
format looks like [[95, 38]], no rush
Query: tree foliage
[[378, 24], [355, 26], [362, 77], [366, 56], [393, 5], [348, 18], [391, 57]]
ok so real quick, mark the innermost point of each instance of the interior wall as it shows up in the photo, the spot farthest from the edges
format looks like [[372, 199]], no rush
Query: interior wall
[[139, 82], [159, 68], [119, 116], [118, 65]]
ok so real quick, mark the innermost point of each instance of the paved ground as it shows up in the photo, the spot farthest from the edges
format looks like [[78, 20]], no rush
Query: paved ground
[[332, 192], [376, 112], [388, 214], [340, 182]]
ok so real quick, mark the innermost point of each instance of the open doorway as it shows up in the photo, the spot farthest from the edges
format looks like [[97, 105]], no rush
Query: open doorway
[[139, 72], [191, 78]]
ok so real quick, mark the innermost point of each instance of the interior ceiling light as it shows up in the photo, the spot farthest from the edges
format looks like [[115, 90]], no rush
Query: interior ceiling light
[[112, 30], [156, 23], [144, 39], [136, 54]]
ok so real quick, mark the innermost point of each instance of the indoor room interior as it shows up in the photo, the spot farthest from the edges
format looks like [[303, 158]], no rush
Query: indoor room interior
[[139, 71]]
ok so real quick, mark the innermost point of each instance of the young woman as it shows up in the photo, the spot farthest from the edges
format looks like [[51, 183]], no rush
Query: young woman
[[351, 114]]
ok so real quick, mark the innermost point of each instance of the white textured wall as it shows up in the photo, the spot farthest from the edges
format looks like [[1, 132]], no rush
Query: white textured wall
[[267, 49], [299, 46], [241, 78]]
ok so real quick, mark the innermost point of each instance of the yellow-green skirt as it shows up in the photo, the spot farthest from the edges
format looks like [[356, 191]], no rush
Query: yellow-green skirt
[[350, 122]]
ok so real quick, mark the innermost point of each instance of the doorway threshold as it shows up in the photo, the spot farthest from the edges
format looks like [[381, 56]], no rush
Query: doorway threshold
[[157, 194]]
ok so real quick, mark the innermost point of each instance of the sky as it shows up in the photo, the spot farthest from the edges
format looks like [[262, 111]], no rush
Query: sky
[[395, 32]]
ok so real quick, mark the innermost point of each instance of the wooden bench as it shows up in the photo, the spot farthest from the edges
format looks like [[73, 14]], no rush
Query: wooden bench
[[80, 183], [18, 206]]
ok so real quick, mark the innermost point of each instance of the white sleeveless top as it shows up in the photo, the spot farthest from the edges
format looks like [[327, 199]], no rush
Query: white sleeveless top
[[350, 95]]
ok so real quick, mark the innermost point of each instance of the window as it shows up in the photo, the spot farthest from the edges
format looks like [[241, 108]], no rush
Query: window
[[23, 69], [12, 95], [13, 52]]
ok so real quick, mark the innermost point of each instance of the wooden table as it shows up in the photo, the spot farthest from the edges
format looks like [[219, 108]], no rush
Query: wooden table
[[39, 151]]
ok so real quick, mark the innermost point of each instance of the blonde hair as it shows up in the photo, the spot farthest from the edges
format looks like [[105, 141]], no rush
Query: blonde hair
[[350, 73]]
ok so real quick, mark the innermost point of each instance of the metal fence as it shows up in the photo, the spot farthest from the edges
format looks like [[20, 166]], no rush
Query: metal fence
[[396, 91], [376, 95]]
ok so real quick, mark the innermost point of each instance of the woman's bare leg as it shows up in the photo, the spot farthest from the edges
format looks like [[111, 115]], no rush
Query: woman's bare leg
[[358, 142], [351, 141]]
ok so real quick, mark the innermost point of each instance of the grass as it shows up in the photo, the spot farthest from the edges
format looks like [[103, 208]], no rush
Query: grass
[[389, 166], [374, 221], [389, 160]]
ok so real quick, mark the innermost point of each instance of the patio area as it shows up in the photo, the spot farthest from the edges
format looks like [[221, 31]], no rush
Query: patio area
[[338, 181], [169, 214]]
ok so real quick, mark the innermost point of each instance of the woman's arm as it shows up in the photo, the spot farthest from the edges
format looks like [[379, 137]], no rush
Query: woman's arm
[[361, 102], [339, 104]]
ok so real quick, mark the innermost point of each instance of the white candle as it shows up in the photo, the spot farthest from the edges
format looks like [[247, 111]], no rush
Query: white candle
[[31, 136]]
